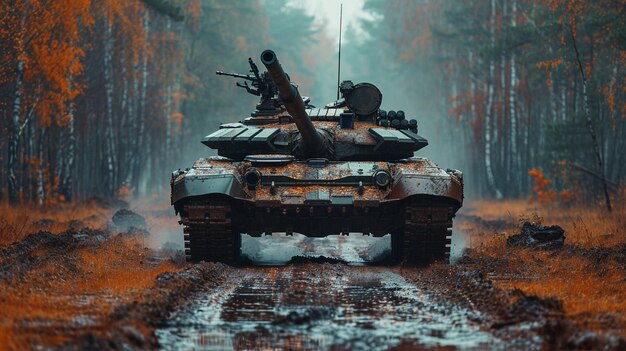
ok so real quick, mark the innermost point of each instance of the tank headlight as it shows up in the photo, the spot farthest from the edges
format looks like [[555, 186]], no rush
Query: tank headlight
[[382, 178], [252, 177]]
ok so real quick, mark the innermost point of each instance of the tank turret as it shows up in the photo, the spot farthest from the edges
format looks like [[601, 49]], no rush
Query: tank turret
[[292, 167], [312, 143], [352, 128]]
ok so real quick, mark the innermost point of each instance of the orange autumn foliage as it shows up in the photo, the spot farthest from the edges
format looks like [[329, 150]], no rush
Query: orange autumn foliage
[[50, 45], [550, 66], [572, 274], [544, 194], [194, 9], [571, 10], [419, 32], [49, 40]]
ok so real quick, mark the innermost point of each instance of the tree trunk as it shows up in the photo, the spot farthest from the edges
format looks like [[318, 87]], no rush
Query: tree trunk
[[69, 153], [515, 157], [14, 135], [41, 186], [489, 111], [108, 130], [138, 161], [592, 132]]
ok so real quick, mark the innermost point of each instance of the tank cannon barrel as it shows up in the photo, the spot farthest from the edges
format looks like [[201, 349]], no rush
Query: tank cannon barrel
[[312, 142]]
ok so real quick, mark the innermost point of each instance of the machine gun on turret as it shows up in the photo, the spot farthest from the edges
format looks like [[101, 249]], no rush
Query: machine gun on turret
[[291, 167], [261, 85]]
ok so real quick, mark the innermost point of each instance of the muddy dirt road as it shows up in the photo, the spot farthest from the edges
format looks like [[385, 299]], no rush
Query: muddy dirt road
[[314, 306], [321, 307], [104, 289]]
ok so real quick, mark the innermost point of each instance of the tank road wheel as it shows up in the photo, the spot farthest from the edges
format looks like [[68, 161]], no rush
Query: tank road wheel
[[426, 237], [208, 233]]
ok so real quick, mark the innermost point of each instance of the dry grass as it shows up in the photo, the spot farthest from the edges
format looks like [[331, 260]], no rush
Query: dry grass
[[584, 275], [88, 285], [78, 288], [119, 267], [585, 225], [586, 288], [18, 222]]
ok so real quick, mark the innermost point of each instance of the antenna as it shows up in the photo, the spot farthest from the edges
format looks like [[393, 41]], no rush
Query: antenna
[[339, 59]]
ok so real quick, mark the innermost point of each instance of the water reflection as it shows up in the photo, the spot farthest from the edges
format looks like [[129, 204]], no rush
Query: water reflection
[[322, 307]]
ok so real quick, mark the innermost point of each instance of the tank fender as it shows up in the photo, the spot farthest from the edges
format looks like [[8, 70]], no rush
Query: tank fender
[[407, 185], [213, 184]]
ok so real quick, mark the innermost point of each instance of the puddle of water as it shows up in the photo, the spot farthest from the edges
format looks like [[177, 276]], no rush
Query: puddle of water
[[321, 307], [342, 308]]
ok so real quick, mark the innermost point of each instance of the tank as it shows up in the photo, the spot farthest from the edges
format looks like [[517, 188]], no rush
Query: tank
[[347, 168]]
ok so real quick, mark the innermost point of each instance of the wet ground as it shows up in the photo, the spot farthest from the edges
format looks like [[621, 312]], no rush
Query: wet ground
[[312, 306], [104, 289]]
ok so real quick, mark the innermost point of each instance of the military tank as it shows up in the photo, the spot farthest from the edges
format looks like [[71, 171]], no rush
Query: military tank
[[290, 167]]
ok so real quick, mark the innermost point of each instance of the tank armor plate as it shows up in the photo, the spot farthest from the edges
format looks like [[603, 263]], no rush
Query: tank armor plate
[[242, 140], [392, 139]]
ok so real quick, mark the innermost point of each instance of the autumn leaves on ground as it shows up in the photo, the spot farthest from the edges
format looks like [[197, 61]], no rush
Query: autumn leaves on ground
[[68, 275], [587, 276], [58, 274]]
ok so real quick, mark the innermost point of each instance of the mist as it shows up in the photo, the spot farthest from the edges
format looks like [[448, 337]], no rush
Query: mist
[[314, 69], [494, 86]]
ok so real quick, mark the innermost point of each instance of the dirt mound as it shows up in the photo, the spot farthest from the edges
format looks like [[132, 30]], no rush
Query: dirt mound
[[37, 249], [532, 307], [29, 243], [516, 315], [130, 326], [44, 223], [594, 341], [125, 219], [537, 236]]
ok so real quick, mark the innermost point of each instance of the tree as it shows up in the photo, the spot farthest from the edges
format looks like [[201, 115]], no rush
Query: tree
[[506, 73]]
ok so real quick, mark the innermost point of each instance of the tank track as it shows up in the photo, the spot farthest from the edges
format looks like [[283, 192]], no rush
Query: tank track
[[426, 235], [208, 233]]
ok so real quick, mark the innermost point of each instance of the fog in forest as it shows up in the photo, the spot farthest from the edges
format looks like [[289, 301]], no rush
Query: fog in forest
[[527, 98], [316, 69]]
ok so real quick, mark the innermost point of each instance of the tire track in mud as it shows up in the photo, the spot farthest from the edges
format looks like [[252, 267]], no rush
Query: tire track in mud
[[326, 306], [322, 307]]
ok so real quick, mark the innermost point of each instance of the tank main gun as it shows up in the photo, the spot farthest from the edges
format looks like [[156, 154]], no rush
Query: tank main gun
[[292, 167], [312, 143]]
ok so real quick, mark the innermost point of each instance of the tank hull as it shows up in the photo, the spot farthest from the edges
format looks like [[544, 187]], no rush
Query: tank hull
[[320, 198], [301, 185]]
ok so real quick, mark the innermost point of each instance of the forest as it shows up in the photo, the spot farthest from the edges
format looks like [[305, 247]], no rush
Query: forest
[[98, 98], [505, 231]]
